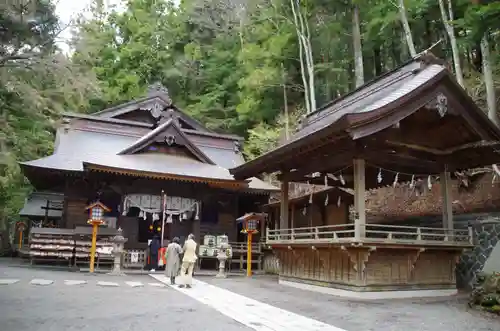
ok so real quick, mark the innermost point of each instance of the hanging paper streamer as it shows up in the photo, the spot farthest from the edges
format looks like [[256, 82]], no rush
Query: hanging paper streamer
[[395, 180], [379, 176], [412, 183], [338, 201], [331, 176], [304, 211], [156, 217], [326, 181], [169, 219], [326, 200], [429, 183], [311, 197], [494, 179], [141, 214], [342, 179]]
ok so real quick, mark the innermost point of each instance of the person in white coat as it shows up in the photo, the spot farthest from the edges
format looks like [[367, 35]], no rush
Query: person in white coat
[[188, 261]]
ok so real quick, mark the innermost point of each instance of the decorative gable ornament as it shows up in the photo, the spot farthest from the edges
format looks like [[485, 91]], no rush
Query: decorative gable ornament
[[170, 140]]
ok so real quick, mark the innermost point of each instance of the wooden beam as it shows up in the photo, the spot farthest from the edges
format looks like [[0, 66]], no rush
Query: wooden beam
[[447, 201], [284, 204]]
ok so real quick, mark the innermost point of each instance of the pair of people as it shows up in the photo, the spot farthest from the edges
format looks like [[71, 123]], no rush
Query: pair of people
[[174, 252]]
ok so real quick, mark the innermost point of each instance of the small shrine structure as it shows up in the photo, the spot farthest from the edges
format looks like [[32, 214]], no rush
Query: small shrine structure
[[412, 124], [127, 155]]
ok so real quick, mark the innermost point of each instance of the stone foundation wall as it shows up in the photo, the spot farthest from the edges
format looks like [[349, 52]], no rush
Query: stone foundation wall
[[486, 236]]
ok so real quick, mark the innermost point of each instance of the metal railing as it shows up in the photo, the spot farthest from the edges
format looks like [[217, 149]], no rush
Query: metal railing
[[370, 233]]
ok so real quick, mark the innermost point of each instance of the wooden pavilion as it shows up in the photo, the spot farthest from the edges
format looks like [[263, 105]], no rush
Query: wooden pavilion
[[413, 123], [127, 155]]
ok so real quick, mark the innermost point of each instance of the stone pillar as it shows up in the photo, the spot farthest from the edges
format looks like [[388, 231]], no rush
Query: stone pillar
[[118, 243], [222, 257], [359, 199], [447, 202]]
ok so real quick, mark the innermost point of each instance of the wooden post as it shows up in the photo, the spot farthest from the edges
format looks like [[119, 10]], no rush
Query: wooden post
[[447, 202], [284, 204], [359, 199], [20, 238], [95, 225], [249, 254], [163, 207]]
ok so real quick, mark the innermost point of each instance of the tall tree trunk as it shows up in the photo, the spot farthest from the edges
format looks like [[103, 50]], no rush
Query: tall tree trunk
[[358, 50], [406, 28], [285, 103], [309, 56], [305, 50], [303, 74], [488, 80], [447, 18]]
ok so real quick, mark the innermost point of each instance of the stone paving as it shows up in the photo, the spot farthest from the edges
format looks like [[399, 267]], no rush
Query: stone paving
[[88, 307], [432, 314], [32, 299], [254, 314]]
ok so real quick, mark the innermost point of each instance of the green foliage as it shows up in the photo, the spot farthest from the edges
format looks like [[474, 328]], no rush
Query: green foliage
[[233, 67], [36, 85], [486, 293]]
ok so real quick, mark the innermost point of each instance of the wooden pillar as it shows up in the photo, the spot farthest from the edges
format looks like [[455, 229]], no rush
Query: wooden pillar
[[359, 199], [447, 200], [284, 204]]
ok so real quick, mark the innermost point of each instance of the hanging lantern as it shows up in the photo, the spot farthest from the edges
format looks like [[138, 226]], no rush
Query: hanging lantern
[[158, 229], [151, 227]]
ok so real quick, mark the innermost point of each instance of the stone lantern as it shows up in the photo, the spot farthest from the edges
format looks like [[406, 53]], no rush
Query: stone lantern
[[222, 257], [118, 242]]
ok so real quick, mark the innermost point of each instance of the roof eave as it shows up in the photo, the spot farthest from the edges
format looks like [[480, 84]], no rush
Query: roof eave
[[137, 173]]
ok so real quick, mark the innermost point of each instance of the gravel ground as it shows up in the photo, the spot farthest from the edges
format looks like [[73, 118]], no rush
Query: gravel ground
[[60, 307], [381, 315]]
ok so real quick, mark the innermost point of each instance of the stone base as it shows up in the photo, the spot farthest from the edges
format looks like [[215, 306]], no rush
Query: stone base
[[370, 295]]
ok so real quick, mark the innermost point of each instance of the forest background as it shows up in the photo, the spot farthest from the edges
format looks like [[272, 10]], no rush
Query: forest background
[[251, 68]]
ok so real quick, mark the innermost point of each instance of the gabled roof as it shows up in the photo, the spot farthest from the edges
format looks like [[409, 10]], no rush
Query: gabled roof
[[381, 105], [168, 127], [157, 98], [82, 149]]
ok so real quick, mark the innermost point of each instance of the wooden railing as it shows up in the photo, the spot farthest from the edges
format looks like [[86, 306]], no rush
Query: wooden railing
[[370, 233], [241, 247]]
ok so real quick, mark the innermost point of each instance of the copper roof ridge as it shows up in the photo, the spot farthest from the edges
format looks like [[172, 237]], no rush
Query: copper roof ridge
[[214, 134], [131, 102], [92, 117], [424, 57]]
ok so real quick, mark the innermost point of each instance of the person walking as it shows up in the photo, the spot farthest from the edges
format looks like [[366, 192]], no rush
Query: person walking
[[154, 247], [174, 251], [188, 262]]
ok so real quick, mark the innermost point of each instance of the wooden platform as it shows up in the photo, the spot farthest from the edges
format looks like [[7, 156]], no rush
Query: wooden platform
[[390, 259]]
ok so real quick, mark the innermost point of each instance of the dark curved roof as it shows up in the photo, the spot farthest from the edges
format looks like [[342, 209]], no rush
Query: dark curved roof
[[373, 107]]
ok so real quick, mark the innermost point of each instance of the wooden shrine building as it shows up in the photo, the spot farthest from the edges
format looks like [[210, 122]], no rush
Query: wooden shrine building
[[412, 124], [126, 155]]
